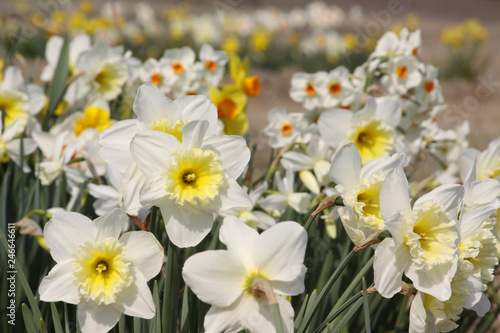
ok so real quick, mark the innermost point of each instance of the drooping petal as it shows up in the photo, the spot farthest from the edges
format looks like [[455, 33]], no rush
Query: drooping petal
[[65, 231], [436, 281], [390, 262], [59, 284], [136, 300], [97, 318], [419, 317], [144, 251], [186, 228], [215, 276]]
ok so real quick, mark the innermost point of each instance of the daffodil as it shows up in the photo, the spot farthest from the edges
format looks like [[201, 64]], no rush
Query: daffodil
[[190, 181], [156, 72], [360, 188], [231, 103], [154, 112], [21, 102], [371, 129], [102, 271], [488, 161], [10, 146], [239, 71], [306, 89], [284, 128], [224, 278], [424, 242], [403, 74], [214, 63]]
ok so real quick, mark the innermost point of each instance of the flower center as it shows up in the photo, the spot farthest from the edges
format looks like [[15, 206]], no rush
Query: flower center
[[286, 128], [431, 239], [210, 65], [101, 270], [178, 68], [195, 176], [373, 139], [110, 77], [93, 117], [251, 86], [429, 86], [226, 109], [251, 276], [367, 204], [164, 125], [402, 71], [15, 104], [335, 88], [310, 90], [156, 79]]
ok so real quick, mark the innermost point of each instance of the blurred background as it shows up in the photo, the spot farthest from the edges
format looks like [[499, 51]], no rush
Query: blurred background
[[461, 37]]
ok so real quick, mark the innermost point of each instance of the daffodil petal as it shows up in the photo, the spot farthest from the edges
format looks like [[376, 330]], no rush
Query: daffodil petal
[[145, 252], [150, 105], [136, 300], [390, 262], [58, 285], [97, 318]]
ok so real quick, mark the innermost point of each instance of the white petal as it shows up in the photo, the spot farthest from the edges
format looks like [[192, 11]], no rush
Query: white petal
[[471, 220], [115, 143], [483, 306], [151, 150], [346, 166], [230, 197], [136, 300], [153, 192], [239, 239], [334, 125], [390, 262], [448, 195], [145, 252], [150, 105], [436, 281], [59, 284], [223, 319], [65, 232], [132, 182], [419, 321], [389, 111], [193, 134], [97, 318], [233, 152], [199, 107], [395, 194], [279, 253], [299, 201], [110, 225], [274, 202], [385, 164], [186, 228], [215, 277]]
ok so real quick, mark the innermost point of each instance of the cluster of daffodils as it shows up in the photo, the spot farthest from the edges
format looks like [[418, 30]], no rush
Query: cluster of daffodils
[[142, 171]]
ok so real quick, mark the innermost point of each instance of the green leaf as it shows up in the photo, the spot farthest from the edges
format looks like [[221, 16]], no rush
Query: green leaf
[[55, 318], [59, 81], [29, 323]]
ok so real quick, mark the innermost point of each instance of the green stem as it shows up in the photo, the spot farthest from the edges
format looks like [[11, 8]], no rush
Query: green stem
[[278, 324], [40, 212], [324, 292], [337, 312], [171, 294]]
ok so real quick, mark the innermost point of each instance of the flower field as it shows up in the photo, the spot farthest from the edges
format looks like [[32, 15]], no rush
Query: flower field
[[241, 167]]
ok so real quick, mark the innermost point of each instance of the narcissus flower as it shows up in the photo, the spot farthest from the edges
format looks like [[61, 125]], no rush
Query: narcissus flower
[[424, 243], [371, 129], [98, 269], [224, 279], [190, 181], [231, 102]]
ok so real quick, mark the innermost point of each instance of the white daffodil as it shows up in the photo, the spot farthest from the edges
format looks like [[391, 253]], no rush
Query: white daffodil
[[372, 129], [315, 158], [20, 101], [360, 189], [180, 66], [488, 161], [56, 155], [155, 72], [424, 242], [306, 89], [286, 196], [154, 112], [479, 193], [428, 92], [429, 314], [284, 128], [402, 74], [10, 147], [190, 181], [105, 72], [101, 271], [225, 279], [337, 89], [77, 46], [214, 63], [253, 218], [108, 197]]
